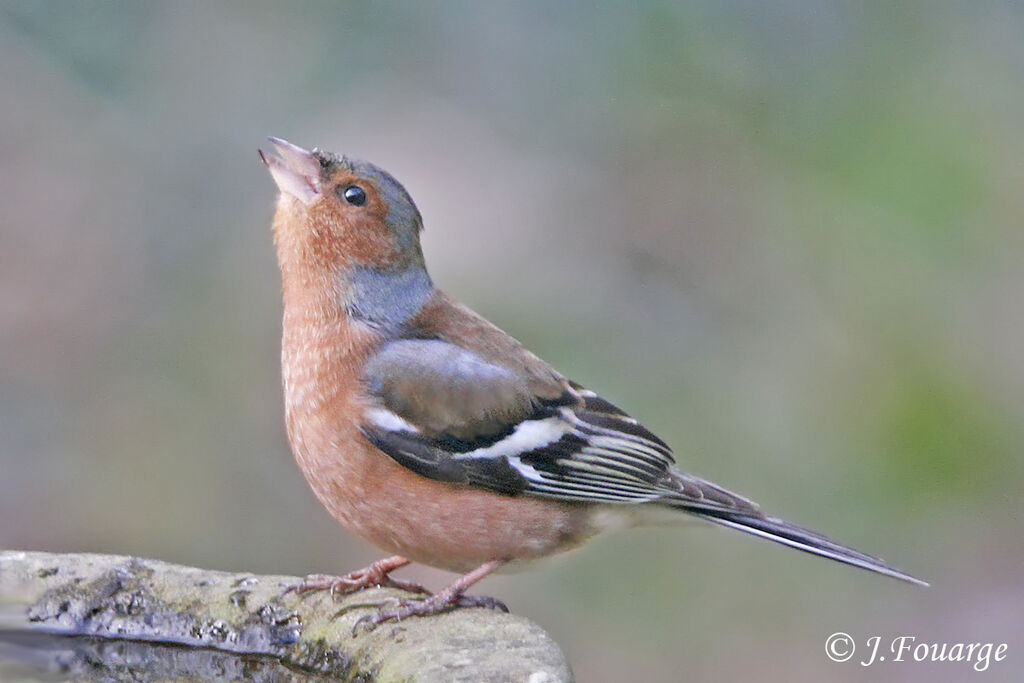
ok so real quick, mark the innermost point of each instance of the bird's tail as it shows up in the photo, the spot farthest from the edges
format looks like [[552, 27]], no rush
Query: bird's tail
[[802, 539]]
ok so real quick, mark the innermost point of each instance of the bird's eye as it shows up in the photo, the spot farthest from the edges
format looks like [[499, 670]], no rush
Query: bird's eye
[[354, 195]]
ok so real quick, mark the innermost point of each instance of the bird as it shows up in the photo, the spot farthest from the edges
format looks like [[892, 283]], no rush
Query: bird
[[433, 434]]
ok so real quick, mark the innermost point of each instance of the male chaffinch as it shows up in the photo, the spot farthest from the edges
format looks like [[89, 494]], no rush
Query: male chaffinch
[[432, 433]]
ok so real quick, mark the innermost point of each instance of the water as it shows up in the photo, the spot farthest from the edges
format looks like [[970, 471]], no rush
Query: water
[[27, 657]]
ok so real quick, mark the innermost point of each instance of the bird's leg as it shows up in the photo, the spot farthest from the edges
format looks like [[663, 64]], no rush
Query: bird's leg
[[452, 596], [377, 574]]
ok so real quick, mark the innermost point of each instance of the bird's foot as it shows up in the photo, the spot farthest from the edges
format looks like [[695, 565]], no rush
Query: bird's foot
[[377, 575], [396, 610]]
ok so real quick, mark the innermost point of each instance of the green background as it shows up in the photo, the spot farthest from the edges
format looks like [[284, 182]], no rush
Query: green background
[[787, 236]]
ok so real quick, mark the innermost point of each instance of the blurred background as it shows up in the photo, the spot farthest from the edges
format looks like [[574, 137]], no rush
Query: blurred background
[[787, 236]]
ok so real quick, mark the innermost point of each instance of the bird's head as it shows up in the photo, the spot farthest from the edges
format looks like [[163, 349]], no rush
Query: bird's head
[[348, 231], [336, 213]]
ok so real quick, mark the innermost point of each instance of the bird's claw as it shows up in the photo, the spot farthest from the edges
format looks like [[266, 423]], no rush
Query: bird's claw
[[484, 601], [369, 577], [397, 609]]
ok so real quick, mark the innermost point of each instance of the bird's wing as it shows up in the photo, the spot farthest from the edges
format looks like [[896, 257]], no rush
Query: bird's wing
[[463, 402], [447, 413]]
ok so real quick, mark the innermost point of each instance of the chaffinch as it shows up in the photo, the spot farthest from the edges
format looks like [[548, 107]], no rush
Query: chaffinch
[[435, 435]]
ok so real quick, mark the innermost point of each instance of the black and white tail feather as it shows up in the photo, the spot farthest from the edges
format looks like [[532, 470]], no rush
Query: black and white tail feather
[[809, 541], [582, 449]]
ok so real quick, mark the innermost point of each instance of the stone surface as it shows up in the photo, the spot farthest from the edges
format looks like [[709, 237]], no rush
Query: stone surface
[[131, 600]]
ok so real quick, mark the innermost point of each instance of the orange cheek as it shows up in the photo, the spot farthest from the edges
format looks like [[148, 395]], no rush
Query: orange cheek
[[347, 237], [369, 241]]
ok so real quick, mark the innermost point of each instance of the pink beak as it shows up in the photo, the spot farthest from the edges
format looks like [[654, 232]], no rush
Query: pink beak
[[296, 171]]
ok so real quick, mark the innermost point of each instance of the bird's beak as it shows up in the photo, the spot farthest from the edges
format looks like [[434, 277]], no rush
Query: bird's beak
[[296, 171]]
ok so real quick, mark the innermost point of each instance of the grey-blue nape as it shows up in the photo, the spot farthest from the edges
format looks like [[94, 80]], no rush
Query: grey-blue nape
[[384, 297]]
